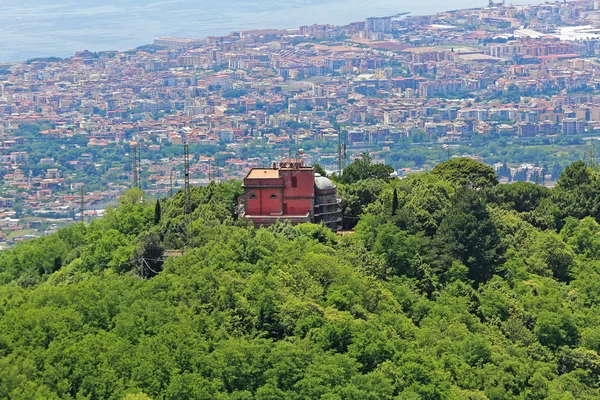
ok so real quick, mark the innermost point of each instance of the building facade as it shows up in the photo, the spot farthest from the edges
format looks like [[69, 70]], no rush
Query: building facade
[[291, 192]]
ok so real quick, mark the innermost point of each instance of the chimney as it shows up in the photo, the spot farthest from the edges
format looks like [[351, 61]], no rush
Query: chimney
[[274, 165]]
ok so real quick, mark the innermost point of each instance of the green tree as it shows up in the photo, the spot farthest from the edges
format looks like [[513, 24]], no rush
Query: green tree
[[157, 212], [518, 196], [363, 168], [319, 170], [466, 172], [468, 234]]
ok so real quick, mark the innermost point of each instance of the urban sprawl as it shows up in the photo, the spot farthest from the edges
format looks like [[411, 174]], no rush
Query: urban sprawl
[[410, 91]]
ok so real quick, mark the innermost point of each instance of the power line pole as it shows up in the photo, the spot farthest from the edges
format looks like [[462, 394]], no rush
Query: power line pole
[[186, 193], [344, 150], [81, 205], [297, 152], [186, 162], [171, 183], [129, 174], [139, 183], [216, 171], [134, 166], [339, 153]]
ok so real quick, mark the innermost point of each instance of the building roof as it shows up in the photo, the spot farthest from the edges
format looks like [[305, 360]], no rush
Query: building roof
[[263, 173], [323, 183]]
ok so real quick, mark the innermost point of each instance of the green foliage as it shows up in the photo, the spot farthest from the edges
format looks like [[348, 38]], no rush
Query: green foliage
[[358, 195], [363, 168], [466, 172], [578, 192], [319, 170], [469, 235], [157, 213], [449, 289], [519, 196]]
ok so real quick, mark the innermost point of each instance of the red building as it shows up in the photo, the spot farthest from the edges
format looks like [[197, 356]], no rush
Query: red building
[[291, 192]]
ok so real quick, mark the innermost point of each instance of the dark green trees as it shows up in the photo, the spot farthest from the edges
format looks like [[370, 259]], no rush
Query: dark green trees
[[466, 172], [443, 292], [157, 212], [468, 234], [363, 168]]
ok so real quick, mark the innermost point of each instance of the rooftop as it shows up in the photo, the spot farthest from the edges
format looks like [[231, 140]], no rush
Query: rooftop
[[263, 173]]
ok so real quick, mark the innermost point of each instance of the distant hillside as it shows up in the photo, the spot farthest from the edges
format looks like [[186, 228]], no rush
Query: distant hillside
[[451, 287]]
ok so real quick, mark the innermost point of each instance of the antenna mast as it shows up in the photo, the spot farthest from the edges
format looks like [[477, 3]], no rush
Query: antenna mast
[[186, 161], [186, 194], [130, 164], [81, 205], [134, 166], [344, 150], [139, 173], [297, 153], [339, 153], [215, 172]]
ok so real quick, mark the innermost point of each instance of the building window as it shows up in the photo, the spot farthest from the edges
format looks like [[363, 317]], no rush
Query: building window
[[252, 195], [273, 196], [294, 181]]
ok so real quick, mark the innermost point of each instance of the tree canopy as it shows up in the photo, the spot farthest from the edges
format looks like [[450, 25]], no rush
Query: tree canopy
[[445, 290], [466, 172]]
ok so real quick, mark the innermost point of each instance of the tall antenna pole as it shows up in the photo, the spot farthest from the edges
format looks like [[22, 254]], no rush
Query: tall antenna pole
[[171, 183], [186, 162], [344, 150], [134, 166], [297, 154], [339, 153], [81, 204], [186, 206], [130, 165], [139, 174], [216, 171]]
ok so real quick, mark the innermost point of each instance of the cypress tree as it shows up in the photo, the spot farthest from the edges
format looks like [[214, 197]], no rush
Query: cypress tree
[[395, 202], [157, 212]]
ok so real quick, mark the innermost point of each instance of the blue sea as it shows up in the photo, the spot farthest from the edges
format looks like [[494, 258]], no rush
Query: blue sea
[[41, 28]]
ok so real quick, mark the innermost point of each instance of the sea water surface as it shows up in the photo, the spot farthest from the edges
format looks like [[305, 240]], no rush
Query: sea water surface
[[42, 28]]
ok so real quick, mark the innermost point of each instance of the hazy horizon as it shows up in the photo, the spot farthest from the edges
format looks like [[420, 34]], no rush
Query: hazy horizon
[[43, 28]]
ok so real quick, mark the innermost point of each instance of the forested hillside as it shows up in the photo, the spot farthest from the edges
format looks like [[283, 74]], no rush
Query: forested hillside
[[451, 287]]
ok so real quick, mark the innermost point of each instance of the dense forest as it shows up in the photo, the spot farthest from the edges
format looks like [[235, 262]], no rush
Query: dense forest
[[450, 287]]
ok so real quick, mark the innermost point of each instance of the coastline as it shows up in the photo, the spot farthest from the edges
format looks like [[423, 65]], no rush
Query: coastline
[[117, 33]]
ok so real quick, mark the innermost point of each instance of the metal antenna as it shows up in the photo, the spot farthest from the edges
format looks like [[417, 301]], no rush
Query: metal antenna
[[139, 174], [344, 150], [339, 153], [171, 183], [216, 171], [186, 161], [134, 166], [81, 204], [297, 154], [186, 195]]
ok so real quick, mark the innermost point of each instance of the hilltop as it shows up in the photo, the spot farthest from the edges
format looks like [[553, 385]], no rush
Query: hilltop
[[451, 287]]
